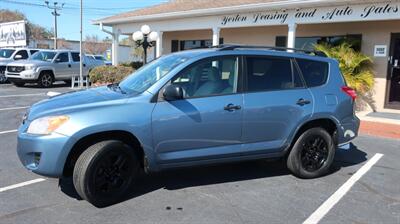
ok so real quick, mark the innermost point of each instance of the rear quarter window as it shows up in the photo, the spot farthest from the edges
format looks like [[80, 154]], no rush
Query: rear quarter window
[[315, 73]]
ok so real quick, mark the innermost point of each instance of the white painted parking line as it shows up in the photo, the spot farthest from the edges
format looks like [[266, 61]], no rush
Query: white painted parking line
[[12, 108], [50, 93], [9, 131], [332, 200], [21, 184], [31, 94]]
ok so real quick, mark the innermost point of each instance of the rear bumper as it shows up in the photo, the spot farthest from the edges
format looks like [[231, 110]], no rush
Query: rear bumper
[[348, 130]]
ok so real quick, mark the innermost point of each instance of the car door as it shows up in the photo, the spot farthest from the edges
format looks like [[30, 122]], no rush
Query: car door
[[62, 65], [206, 124], [275, 103], [75, 69]]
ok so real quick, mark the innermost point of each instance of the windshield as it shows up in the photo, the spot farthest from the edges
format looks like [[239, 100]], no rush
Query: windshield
[[43, 55], [149, 74], [6, 53]]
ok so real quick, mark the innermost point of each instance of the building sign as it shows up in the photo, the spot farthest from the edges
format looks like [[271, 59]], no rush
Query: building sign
[[13, 34], [365, 12], [380, 51]]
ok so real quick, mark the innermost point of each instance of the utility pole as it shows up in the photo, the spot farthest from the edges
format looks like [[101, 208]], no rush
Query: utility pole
[[55, 8]]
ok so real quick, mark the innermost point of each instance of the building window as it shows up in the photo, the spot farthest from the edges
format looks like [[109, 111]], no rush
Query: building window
[[191, 44], [309, 42]]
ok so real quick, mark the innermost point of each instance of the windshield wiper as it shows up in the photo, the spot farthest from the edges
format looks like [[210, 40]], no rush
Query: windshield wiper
[[115, 87]]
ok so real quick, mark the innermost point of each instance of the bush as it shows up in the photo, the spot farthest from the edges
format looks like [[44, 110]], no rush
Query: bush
[[109, 74], [134, 64]]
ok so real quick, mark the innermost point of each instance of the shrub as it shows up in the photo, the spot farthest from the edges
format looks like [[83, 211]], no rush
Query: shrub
[[109, 74], [356, 69], [134, 64]]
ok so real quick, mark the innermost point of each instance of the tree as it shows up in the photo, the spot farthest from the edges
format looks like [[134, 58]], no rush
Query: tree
[[356, 69], [34, 31], [93, 45]]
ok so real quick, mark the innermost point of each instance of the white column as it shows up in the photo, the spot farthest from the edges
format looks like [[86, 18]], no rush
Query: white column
[[159, 44], [115, 46], [291, 40], [215, 37]]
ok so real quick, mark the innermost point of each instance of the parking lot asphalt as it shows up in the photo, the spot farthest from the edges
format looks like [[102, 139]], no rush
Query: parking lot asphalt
[[249, 192]]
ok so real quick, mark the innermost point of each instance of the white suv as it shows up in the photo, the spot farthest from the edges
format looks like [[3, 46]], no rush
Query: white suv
[[8, 55], [47, 66]]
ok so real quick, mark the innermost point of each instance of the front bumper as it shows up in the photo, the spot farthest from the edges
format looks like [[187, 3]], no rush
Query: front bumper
[[24, 75], [44, 155]]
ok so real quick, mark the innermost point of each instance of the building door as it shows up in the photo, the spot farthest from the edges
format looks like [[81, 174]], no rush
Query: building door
[[393, 85]]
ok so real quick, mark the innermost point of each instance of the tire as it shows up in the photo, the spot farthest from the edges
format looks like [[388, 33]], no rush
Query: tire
[[89, 172], [312, 154], [45, 80], [19, 84], [3, 79]]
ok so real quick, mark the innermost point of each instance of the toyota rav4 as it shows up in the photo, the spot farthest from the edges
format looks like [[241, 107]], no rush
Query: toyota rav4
[[199, 107]]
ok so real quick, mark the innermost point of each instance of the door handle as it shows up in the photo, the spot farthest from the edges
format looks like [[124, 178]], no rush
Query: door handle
[[69, 65], [303, 102], [231, 107]]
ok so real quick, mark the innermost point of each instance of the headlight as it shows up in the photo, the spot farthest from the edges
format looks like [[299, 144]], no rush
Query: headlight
[[46, 125], [30, 67]]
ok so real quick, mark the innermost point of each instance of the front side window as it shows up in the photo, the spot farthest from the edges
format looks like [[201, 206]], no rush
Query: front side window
[[22, 54], [62, 57], [43, 55], [315, 73], [216, 76], [268, 74]]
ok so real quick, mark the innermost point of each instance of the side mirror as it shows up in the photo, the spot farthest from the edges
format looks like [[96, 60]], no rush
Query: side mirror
[[173, 92], [18, 57]]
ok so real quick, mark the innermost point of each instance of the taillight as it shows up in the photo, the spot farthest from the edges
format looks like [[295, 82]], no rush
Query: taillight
[[349, 91]]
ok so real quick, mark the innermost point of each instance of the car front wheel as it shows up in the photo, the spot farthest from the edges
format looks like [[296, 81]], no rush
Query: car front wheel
[[104, 172], [45, 80], [312, 154]]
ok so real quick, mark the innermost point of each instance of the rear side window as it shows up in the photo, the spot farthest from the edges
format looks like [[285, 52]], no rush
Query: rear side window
[[75, 57], [315, 73], [268, 73]]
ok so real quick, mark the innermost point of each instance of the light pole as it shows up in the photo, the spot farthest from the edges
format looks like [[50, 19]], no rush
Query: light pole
[[55, 7], [81, 50], [145, 38]]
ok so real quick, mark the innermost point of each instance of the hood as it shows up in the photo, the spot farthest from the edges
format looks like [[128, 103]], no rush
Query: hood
[[77, 100], [29, 62], [5, 61]]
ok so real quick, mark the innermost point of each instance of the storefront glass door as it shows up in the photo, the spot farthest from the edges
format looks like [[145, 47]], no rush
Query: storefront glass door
[[393, 85]]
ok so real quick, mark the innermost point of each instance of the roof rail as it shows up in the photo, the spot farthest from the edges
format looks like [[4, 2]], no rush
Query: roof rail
[[227, 47]]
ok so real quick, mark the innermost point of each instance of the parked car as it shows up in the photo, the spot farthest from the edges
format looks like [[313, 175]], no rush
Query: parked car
[[48, 66], [8, 55], [100, 58], [198, 107]]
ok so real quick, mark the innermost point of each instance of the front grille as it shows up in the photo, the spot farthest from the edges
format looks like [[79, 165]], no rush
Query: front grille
[[15, 68], [2, 69]]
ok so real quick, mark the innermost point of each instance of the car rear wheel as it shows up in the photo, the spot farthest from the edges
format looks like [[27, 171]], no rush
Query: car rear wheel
[[312, 154], [45, 80], [104, 173]]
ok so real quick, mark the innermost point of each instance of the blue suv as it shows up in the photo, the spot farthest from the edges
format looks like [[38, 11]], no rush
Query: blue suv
[[198, 107]]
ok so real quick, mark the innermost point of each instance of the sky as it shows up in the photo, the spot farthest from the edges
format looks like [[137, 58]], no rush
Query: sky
[[69, 21]]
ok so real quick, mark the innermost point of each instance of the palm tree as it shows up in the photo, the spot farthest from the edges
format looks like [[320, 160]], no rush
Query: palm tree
[[356, 68]]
